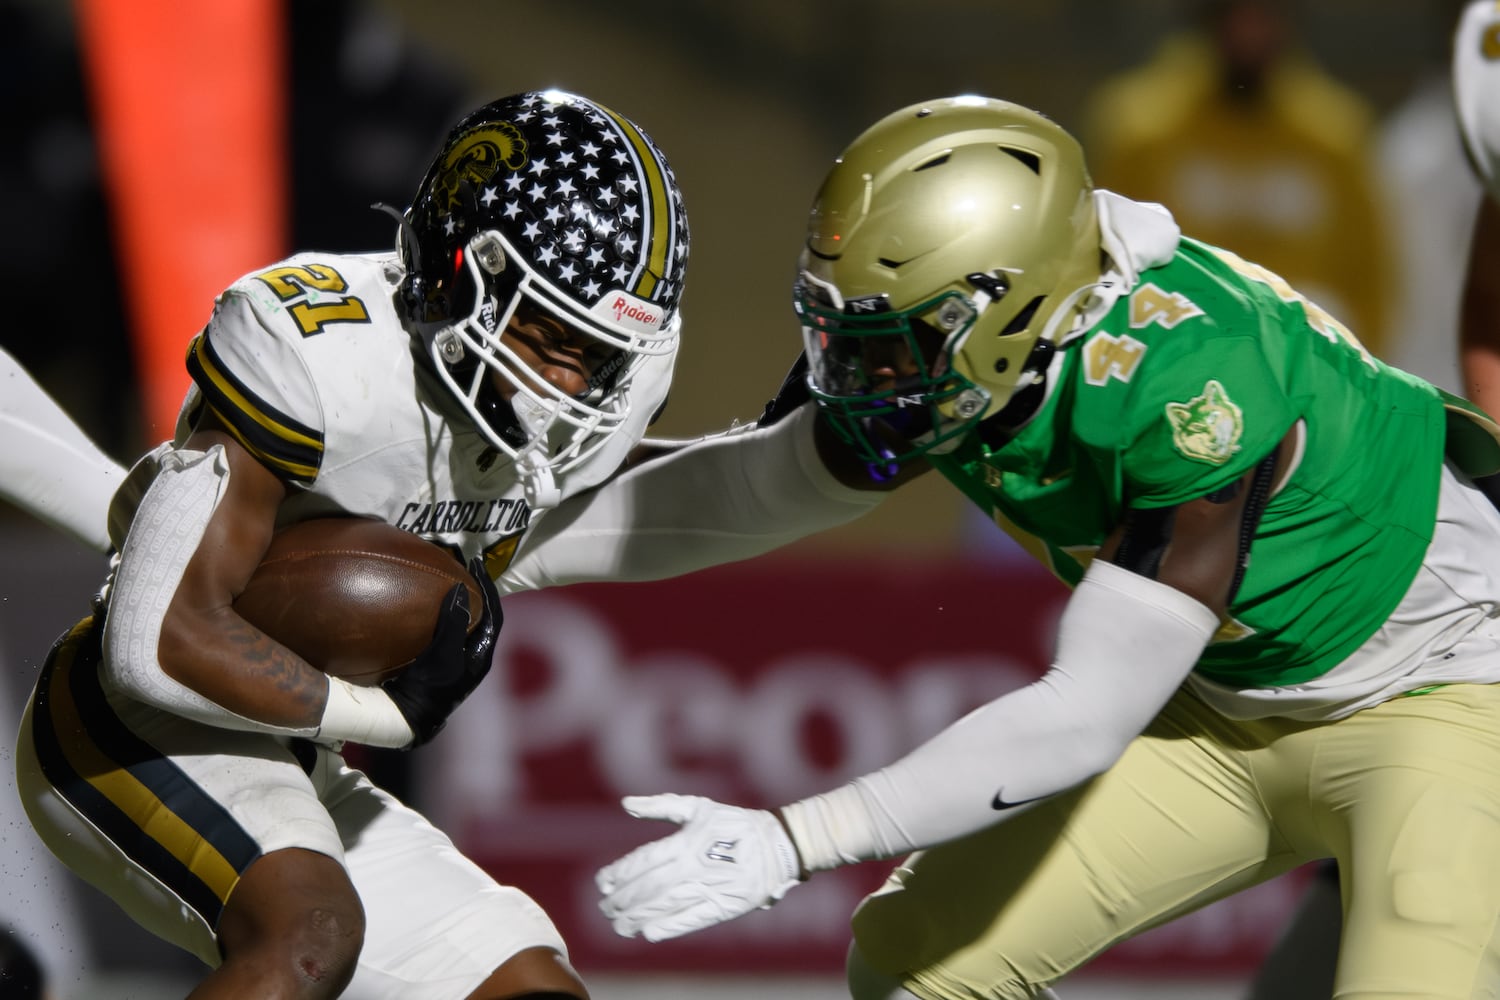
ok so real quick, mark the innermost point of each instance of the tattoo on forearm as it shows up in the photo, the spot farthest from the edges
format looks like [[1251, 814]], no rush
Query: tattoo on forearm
[[272, 670]]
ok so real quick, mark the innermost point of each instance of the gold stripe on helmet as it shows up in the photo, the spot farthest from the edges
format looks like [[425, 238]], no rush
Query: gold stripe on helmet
[[659, 204]]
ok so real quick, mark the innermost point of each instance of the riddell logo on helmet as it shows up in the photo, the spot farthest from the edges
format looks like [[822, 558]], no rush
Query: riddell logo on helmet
[[625, 309], [628, 311]]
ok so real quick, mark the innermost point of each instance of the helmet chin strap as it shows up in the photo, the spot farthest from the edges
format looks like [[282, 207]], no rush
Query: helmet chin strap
[[1067, 310], [533, 463], [1033, 374], [537, 481]]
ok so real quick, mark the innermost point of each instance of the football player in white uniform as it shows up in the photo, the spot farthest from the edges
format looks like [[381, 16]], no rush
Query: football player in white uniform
[[508, 356], [510, 353]]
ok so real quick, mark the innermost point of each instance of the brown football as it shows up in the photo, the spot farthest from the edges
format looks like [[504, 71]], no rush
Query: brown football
[[355, 597]]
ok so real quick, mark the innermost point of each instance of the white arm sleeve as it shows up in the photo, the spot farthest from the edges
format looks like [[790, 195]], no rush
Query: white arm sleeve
[[48, 466], [165, 532], [1125, 644], [721, 499]]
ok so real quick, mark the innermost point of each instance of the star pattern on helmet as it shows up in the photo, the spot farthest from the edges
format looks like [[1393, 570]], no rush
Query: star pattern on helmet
[[576, 207]]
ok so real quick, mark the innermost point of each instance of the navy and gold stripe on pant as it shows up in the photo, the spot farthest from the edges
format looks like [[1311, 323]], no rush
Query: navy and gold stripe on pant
[[152, 811]]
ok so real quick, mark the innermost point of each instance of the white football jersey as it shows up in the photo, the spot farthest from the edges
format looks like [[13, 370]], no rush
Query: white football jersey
[[309, 364]]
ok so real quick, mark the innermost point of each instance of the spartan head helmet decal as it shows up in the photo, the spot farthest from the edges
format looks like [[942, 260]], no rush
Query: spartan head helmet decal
[[476, 157]]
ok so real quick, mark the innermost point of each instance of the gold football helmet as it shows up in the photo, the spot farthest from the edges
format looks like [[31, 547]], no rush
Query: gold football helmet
[[947, 240]]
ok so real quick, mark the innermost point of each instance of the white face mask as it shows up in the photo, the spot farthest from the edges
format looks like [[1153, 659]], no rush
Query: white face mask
[[558, 431]]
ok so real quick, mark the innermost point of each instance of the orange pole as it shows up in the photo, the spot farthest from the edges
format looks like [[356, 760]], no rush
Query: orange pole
[[188, 103]]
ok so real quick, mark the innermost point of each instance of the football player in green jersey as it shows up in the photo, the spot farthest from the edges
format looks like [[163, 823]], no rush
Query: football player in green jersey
[[1282, 642]]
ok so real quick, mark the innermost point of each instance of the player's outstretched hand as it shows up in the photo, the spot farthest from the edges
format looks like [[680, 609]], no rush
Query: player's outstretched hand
[[454, 662], [723, 863]]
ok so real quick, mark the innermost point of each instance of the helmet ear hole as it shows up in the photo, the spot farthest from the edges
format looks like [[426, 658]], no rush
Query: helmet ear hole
[[1022, 319]]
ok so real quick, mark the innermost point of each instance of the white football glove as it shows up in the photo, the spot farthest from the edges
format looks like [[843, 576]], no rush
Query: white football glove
[[723, 863]]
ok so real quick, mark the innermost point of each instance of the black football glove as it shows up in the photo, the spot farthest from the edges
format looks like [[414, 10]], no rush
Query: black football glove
[[453, 664], [792, 394]]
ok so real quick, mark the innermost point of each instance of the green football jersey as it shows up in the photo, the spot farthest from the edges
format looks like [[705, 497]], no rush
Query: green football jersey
[[1189, 381]]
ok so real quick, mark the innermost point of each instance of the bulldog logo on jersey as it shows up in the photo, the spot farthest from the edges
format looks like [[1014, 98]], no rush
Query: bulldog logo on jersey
[[1207, 427], [476, 158]]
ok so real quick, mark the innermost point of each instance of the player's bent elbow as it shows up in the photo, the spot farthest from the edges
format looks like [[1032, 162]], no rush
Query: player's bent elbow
[[1091, 750], [140, 669]]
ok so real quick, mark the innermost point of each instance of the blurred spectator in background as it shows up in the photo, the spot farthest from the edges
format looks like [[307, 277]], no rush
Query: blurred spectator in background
[[1433, 195], [1234, 128]]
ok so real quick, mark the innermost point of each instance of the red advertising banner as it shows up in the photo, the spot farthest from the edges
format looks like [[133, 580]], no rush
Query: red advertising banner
[[754, 684]]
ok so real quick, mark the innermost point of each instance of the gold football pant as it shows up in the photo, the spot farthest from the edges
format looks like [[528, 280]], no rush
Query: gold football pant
[[1405, 795]]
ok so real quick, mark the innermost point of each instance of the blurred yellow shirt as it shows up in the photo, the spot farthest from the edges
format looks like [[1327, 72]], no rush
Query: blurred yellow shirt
[[1286, 179]]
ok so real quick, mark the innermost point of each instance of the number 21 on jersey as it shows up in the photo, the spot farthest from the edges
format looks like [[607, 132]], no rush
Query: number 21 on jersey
[[314, 295]]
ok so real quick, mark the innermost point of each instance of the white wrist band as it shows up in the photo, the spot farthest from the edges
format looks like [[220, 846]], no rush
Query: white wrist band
[[363, 715], [822, 826]]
